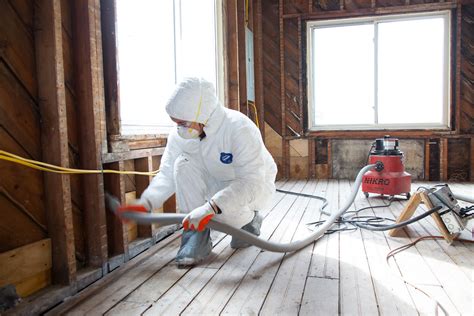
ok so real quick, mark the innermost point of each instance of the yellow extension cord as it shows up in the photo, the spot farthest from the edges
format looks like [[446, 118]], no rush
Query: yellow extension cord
[[4, 155], [256, 112]]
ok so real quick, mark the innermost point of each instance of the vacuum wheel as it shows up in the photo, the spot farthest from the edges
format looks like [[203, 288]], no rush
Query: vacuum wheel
[[366, 194], [408, 195]]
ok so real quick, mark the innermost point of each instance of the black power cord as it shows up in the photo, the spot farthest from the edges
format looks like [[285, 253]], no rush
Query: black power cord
[[325, 201], [373, 223], [383, 227]]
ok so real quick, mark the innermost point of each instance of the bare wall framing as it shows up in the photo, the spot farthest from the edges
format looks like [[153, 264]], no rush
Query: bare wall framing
[[284, 93], [58, 98]]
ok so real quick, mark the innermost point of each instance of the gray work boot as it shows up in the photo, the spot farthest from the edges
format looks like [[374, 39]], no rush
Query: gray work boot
[[253, 227], [195, 247]]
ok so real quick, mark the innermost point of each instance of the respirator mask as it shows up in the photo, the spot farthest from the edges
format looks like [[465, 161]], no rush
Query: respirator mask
[[186, 132]]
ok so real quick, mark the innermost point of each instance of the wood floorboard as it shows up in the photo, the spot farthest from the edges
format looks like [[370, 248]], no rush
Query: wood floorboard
[[276, 214], [342, 273], [287, 288], [392, 294], [357, 293], [253, 290], [214, 296], [325, 260]]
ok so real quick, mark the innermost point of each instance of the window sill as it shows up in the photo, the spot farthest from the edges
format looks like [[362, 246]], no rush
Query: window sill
[[124, 143], [377, 133]]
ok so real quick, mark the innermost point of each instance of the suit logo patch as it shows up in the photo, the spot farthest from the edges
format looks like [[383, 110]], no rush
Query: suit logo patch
[[226, 158]]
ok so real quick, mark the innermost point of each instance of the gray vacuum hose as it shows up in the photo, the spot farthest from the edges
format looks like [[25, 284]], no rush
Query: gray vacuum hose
[[169, 219], [464, 198]]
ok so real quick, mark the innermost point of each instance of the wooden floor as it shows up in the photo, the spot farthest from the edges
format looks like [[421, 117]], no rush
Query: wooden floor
[[343, 273]]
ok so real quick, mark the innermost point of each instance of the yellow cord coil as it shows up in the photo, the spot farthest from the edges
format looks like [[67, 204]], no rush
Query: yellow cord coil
[[4, 155], [256, 112]]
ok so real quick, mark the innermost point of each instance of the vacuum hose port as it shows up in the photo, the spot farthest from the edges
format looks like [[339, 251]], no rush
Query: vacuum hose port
[[379, 166]]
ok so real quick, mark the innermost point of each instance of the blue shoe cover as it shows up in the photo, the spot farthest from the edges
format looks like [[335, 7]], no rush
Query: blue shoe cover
[[253, 227], [195, 247]]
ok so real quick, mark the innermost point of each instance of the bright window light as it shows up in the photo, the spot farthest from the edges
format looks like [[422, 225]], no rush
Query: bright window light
[[158, 44], [343, 57], [387, 72], [411, 71]]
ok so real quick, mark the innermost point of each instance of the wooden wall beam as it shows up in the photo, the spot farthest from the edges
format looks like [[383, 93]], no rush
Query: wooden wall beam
[[108, 16], [91, 110], [141, 183], [285, 142], [311, 158], [456, 52], [301, 72], [286, 158], [116, 230], [443, 159], [241, 57], [472, 160], [258, 49], [427, 160], [54, 136], [231, 49]]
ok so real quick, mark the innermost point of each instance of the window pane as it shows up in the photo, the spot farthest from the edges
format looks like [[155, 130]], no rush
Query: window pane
[[411, 71], [343, 75], [196, 55], [145, 36]]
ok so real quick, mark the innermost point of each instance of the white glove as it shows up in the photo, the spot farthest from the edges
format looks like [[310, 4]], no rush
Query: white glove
[[198, 218]]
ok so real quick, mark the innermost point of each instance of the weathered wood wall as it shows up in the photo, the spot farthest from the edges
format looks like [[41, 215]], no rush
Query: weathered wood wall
[[59, 98], [53, 106], [23, 215], [447, 155]]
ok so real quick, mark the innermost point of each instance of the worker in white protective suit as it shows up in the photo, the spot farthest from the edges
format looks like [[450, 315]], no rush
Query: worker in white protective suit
[[216, 163]]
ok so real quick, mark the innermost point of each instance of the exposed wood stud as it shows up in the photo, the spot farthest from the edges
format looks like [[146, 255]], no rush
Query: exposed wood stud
[[258, 48], [285, 143], [311, 158], [108, 16], [472, 160], [52, 95], [286, 158], [90, 91], [300, 74], [443, 159], [456, 105], [427, 160], [231, 55], [330, 159], [141, 183], [241, 57], [116, 230]]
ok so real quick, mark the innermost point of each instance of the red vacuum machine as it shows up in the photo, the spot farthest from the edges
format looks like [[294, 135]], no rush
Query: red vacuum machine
[[388, 177]]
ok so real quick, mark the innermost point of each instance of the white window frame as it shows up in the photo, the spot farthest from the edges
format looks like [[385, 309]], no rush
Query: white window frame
[[446, 122], [145, 129]]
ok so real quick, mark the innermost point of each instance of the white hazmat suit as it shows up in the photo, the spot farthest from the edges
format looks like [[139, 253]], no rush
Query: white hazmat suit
[[230, 165]]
